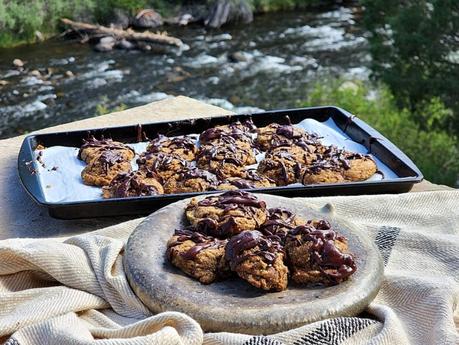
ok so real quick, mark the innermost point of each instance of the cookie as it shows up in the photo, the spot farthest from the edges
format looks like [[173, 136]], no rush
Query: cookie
[[93, 147], [279, 223], [225, 160], [318, 255], [227, 214], [105, 167], [336, 165], [302, 151], [230, 151], [250, 179], [280, 166], [164, 165], [275, 134], [238, 131], [191, 180], [201, 257], [182, 146], [258, 260], [136, 183]]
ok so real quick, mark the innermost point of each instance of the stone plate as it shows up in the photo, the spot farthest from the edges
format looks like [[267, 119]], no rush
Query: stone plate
[[233, 305]]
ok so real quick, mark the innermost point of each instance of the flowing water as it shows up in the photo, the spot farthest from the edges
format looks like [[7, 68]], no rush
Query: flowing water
[[279, 56]]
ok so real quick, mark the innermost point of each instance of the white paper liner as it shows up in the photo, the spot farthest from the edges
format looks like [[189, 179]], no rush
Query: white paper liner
[[65, 184]]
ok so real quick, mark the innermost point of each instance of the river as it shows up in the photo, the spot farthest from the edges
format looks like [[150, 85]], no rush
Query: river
[[278, 57]]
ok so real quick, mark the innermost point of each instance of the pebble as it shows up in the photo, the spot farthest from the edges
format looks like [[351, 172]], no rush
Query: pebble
[[105, 44], [35, 73], [18, 63], [69, 74], [125, 44]]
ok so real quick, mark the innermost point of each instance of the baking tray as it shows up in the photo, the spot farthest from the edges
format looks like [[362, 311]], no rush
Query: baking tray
[[407, 172]]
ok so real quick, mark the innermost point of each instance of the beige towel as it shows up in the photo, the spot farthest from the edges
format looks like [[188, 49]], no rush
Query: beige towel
[[74, 291]]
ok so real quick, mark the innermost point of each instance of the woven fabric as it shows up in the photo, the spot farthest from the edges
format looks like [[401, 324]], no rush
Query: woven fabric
[[74, 290]]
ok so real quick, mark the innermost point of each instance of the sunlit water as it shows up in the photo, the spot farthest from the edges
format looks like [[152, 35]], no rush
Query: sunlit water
[[284, 54]]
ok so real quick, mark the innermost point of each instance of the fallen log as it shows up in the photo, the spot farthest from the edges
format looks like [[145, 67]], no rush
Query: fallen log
[[128, 34]]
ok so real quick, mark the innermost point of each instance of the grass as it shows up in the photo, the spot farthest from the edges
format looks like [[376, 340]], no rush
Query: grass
[[434, 151]]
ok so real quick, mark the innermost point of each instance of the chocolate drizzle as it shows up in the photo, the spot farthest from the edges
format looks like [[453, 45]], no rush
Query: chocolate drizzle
[[235, 131], [248, 181], [229, 201], [239, 248], [132, 184], [105, 144], [186, 143], [232, 200], [323, 251], [279, 222], [109, 158], [335, 159], [192, 173], [201, 242], [226, 151], [161, 162]]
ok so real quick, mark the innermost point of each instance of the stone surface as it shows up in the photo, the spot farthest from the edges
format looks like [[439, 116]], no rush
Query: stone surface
[[233, 305]]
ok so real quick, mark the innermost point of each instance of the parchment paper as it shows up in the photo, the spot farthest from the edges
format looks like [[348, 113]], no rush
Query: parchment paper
[[64, 183]]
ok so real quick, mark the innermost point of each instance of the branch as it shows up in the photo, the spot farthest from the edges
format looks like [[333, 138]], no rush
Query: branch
[[128, 34]]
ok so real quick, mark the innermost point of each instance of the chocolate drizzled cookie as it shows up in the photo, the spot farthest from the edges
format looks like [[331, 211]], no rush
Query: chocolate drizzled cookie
[[93, 147], [190, 180], [183, 146], [227, 214], [317, 254], [199, 256], [225, 157], [337, 165], [279, 166], [164, 165], [136, 183], [275, 135], [105, 167], [237, 131], [258, 260]]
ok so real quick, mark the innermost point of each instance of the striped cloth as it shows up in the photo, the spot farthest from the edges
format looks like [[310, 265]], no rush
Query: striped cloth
[[74, 290]]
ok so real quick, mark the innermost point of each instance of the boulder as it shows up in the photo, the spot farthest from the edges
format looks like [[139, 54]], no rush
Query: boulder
[[125, 45], [226, 11], [185, 19], [105, 44], [146, 19], [120, 19]]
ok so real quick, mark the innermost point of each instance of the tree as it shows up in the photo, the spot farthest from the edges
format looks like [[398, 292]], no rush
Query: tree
[[415, 50]]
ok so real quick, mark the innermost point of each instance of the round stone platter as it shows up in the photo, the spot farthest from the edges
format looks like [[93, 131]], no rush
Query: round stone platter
[[233, 305]]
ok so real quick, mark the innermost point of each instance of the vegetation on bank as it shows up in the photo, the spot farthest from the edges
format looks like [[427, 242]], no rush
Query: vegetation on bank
[[414, 46], [27, 21], [435, 151]]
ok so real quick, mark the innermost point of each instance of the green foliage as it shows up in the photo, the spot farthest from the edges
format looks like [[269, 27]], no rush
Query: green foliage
[[415, 45], [104, 108], [19, 19], [433, 150], [278, 5]]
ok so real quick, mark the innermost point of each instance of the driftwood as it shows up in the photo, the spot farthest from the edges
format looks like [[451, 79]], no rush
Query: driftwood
[[128, 34]]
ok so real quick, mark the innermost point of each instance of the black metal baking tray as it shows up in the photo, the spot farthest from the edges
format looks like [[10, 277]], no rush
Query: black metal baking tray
[[407, 172]]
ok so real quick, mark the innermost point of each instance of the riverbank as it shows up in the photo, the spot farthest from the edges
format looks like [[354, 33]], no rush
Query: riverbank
[[29, 22]]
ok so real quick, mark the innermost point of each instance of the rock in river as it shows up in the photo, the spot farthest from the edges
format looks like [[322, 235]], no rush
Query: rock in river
[[147, 18], [105, 44]]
